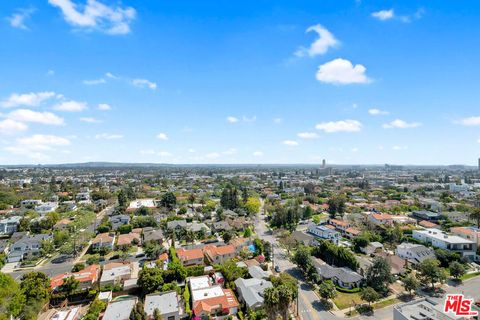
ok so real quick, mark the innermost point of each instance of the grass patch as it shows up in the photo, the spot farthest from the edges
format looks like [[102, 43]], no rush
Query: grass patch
[[345, 300], [470, 275], [378, 305]]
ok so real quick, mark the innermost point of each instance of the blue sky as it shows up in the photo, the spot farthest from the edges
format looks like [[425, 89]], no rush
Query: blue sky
[[354, 82]]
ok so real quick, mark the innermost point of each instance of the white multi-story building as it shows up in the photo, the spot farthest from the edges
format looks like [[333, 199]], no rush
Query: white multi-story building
[[440, 239], [323, 232]]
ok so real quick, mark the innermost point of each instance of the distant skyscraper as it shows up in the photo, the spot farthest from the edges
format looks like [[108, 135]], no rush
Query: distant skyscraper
[[478, 163], [324, 163]]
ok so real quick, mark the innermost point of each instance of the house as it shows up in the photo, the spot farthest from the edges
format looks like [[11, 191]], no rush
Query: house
[[211, 301], [86, 277], [103, 240], [28, 244], [138, 203], [128, 239], [372, 247], [221, 226], [120, 309], [46, 207], [9, 225], [427, 215], [439, 239], [470, 233], [69, 313], [31, 202], [240, 244], [119, 273], [414, 253], [190, 257], [352, 232], [198, 227], [323, 232], [302, 237], [397, 264], [340, 225], [380, 219], [423, 309], [428, 224], [168, 304], [176, 225], [343, 277], [258, 273], [155, 235], [119, 220], [250, 291], [62, 224], [219, 254]]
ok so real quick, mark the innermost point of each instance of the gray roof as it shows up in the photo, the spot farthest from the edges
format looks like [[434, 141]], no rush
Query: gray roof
[[345, 275], [166, 302], [151, 235], [119, 310], [251, 290], [258, 273], [176, 223]]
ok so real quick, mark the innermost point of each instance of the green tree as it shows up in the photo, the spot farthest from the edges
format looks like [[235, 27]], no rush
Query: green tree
[[457, 270], [252, 205], [247, 233], [157, 315], [411, 283], [152, 249], [122, 199], [475, 215], [232, 272], [150, 280], [169, 200], [370, 295], [69, 285], [302, 258], [138, 312], [36, 285], [378, 275], [12, 300], [430, 271], [327, 290], [46, 247]]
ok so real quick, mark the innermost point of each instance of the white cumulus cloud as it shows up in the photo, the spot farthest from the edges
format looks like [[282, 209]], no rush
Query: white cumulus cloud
[[377, 112], [401, 124], [144, 83], [31, 99], [70, 106], [104, 106], [470, 121], [162, 136], [258, 154], [290, 143], [384, 15], [325, 41], [341, 72], [231, 119], [9, 126], [307, 135], [108, 136], [94, 15], [90, 120], [340, 126], [17, 20], [26, 115]]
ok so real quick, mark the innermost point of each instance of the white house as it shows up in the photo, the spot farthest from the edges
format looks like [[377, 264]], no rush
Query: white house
[[414, 253], [9, 225], [323, 232], [440, 239]]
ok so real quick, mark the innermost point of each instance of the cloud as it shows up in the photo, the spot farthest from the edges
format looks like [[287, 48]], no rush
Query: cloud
[[277, 120], [399, 148], [9, 126], [96, 16], [340, 126], [290, 143], [325, 41], [307, 135], [94, 82], [50, 73], [384, 15], [90, 120], [162, 136], [17, 20], [36, 145], [108, 136], [400, 124], [377, 112], [191, 150], [144, 83], [341, 72], [164, 154], [470, 121], [231, 119], [104, 106], [258, 154], [32, 99], [25, 115], [70, 106]]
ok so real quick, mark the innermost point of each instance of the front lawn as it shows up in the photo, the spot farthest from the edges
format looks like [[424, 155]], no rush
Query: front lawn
[[345, 300], [470, 275]]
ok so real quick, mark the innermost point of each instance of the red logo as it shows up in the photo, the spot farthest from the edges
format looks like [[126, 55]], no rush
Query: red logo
[[459, 305]]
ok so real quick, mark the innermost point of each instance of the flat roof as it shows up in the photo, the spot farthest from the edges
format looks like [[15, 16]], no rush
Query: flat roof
[[442, 236], [199, 282], [207, 293], [166, 302]]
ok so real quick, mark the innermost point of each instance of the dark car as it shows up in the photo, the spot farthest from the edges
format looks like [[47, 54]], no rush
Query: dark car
[[61, 259], [277, 269]]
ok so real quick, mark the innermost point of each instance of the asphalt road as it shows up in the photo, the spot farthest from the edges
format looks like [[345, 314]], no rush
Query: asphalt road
[[52, 269], [310, 307]]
